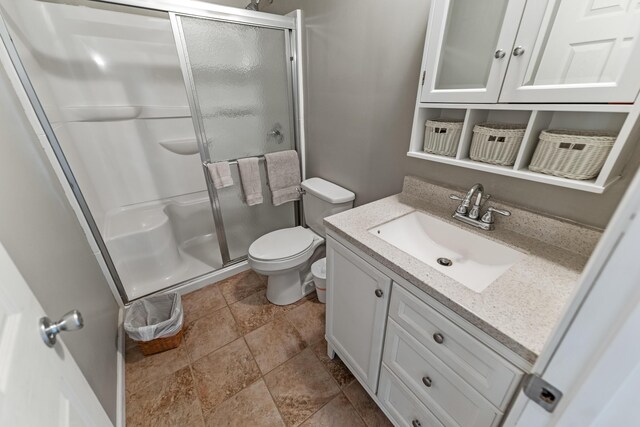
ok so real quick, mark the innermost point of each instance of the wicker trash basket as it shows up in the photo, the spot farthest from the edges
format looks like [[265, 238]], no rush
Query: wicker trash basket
[[574, 154], [159, 345], [496, 143], [155, 322], [441, 136]]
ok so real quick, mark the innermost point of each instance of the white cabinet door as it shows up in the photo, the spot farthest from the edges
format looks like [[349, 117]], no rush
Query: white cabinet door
[[576, 51], [468, 48], [357, 304], [39, 386]]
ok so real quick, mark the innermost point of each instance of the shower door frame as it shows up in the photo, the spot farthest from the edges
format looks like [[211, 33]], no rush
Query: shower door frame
[[288, 27], [179, 7]]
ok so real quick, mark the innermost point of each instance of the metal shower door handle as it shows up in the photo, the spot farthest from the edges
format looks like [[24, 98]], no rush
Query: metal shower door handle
[[276, 132], [71, 321]]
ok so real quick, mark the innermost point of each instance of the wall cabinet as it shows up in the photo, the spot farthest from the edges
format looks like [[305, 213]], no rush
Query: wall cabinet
[[430, 370], [357, 302], [569, 51]]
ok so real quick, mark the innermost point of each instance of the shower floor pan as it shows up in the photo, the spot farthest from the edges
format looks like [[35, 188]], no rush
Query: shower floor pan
[[158, 244]]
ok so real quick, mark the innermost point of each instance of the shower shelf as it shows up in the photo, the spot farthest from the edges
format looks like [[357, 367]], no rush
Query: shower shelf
[[181, 146], [119, 112]]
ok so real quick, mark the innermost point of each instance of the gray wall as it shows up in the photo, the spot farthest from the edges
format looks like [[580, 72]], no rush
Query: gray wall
[[41, 233], [363, 65]]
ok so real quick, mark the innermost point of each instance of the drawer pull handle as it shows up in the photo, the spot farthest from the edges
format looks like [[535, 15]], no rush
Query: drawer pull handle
[[416, 423], [426, 381], [438, 337], [379, 293]]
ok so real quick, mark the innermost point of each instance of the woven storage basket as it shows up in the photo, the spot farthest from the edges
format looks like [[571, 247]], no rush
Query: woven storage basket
[[496, 143], [441, 136], [574, 154], [160, 344]]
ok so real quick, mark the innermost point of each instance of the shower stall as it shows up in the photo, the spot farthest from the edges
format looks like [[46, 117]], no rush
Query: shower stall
[[135, 98]]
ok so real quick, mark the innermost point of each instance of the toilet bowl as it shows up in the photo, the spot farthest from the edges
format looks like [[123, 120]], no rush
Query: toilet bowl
[[285, 256]]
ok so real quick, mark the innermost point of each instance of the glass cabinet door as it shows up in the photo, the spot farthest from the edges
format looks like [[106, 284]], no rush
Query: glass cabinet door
[[467, 49], [576, 51]]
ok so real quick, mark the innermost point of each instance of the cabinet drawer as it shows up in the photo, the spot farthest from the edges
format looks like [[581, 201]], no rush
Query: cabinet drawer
[[487, 372], [450, 398], [401, 404]]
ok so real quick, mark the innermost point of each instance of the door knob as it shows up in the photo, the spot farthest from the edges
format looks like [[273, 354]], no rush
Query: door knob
[[379, 293], [72, 321], [426, 381], [438, 337], [499, 54], [518, 51]]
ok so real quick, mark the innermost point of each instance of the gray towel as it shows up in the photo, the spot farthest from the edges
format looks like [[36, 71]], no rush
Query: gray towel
[[283, 173], [220, 174], [249, 169]]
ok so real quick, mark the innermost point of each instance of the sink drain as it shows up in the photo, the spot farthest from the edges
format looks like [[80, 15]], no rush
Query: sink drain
[[446, 262]]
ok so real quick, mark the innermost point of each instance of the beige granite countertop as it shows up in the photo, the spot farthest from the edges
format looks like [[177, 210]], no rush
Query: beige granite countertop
[[522, 306]]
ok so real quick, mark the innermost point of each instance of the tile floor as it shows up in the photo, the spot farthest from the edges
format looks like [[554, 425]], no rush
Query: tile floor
[[244, 362]]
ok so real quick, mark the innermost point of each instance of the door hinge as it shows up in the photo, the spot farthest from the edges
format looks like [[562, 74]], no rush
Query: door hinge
[[541, 392], [424, 75]]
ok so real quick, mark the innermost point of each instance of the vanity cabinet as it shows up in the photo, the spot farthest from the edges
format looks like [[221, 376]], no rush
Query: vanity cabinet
[[431, 371], [553, 51], [357, 303]]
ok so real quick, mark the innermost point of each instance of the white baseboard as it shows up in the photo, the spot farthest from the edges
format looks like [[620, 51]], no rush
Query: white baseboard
[[214, 277], [121, 419]]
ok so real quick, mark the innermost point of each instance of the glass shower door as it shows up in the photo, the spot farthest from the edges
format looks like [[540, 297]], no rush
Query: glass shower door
[[241, 93]]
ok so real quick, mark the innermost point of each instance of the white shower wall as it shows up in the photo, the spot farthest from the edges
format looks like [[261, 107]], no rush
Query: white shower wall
[[110, 81]]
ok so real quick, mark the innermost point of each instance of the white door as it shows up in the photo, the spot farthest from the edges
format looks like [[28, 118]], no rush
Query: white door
[[593, 356], [39, 386], [467, 49], [357, 305], [576, 51]]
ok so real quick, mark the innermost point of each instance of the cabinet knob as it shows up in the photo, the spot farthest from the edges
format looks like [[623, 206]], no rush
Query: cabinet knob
[[499, 54], [426, 381], [379, 293], [416, 423], [518, 51], [438, 337]]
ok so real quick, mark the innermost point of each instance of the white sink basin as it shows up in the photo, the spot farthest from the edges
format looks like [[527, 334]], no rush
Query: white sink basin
[[475, 261]]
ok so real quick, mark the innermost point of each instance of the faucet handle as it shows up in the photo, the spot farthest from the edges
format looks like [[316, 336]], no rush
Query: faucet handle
[[487, 218], [463, 207]]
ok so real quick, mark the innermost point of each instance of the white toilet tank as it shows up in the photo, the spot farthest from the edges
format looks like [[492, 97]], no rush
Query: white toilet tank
[[322, 199]]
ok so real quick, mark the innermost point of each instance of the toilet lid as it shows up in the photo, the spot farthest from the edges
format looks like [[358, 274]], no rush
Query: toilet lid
[[281, 244]]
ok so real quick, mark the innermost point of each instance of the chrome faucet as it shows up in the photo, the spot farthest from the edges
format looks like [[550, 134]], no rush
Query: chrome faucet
[[470, 216]]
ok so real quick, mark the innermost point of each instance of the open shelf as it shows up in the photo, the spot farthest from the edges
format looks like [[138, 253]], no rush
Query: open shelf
[[622, 119]]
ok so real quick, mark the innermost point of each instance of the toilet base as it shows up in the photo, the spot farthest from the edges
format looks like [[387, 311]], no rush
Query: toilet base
[[287, 288]]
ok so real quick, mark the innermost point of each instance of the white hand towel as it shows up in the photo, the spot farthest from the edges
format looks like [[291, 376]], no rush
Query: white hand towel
[[250, 178], [220, 174], [283, 173]]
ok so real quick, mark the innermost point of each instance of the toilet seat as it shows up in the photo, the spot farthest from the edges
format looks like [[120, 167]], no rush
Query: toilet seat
[[281, 244], [283, 249]]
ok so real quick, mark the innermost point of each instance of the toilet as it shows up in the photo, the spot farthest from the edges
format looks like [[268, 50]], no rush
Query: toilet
[[285, 256]]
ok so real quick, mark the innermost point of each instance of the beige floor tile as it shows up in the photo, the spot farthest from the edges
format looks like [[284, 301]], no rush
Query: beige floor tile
[[336, 368], [274, 343], [202, 302], [309, 320], [366, 407], [253, 407], [300, 387], [210, 332], [223, 373], [140, 371], [338, 412], [255, 311], [169, 402], [240, 286]]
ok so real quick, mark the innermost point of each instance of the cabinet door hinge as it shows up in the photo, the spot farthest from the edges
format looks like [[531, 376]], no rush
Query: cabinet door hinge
[[424, 75], [541, 392]]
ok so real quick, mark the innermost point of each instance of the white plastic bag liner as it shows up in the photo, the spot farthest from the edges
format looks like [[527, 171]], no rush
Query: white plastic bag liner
[[154, 317], [319, 272]]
